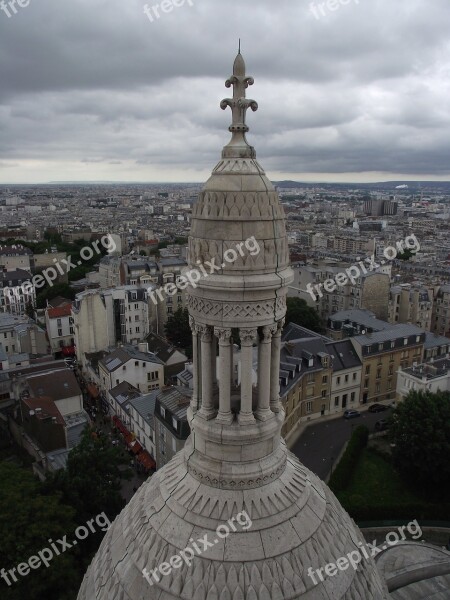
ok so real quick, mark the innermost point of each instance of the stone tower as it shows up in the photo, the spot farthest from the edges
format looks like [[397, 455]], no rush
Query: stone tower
[[235, 462]]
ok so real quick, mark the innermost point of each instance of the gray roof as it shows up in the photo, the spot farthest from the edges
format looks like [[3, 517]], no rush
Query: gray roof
[[292, 331], [362, 317], [344, 355], [175, 399], [394, 332], [145, 406], [433, 340], [121, 356]]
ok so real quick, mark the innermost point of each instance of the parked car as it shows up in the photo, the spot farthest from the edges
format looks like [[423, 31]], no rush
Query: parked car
[[381, 425], [351, 414], [375, 408]]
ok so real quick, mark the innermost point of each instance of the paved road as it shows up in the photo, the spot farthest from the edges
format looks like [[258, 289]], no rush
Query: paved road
[[321, 444]]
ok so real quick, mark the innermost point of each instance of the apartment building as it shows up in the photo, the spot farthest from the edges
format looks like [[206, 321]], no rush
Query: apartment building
[[370, 291], [432, 376], [104, 318], [171, 424], [19, 334], [15, 257], [133, 364], [345, 377], [440, 320], [305, 378], [382, 354], [411, 304], [60, 327], [16, 292]]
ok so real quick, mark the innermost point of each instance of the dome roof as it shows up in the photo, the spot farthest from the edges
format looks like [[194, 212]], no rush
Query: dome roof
[[296, 523]]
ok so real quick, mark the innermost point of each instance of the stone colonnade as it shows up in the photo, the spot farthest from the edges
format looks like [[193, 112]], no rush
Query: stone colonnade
[[205, 360]]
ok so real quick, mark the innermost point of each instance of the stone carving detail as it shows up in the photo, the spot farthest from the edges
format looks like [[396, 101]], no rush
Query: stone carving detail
[[247, 336], [272, 254], [233, 310], [239, 483], [239, 165], [232, 205], [206, 333], [224, 335]]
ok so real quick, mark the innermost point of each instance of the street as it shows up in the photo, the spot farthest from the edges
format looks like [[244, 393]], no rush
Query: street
[[320, 444]]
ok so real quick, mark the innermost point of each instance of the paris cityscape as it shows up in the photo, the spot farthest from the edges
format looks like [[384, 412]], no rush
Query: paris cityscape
[[224, 300]]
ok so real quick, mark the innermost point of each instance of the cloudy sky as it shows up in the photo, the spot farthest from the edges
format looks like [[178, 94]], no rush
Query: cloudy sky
[[94, 90]]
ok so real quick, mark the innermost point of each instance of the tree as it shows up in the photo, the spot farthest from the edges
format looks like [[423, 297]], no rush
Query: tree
[[50, 292], [92, 480], [406, 255], [420, 432], [178, 330], [300, 313], [29, 518]]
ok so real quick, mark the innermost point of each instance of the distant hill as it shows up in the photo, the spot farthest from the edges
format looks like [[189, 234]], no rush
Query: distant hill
[[385, 186]]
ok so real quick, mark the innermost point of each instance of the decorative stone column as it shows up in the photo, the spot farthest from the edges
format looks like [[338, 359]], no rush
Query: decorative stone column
[[246, 412], [214, 358], [275, 368], [207, 410], [264, 369], [195, 366], [225, 415]]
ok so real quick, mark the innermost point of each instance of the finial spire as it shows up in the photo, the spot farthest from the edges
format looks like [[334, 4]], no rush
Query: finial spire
[[239, 105]]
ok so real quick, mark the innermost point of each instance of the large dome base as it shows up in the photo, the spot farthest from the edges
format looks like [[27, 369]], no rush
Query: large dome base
[[295, 526]]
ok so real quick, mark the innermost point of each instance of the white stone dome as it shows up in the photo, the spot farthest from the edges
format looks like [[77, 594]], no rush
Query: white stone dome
[[297, 523]]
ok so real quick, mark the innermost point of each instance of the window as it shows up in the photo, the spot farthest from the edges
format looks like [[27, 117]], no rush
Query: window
[[174, 445], [391, 357], [59, 332], [58, 322], [324, 393], [346, 379], [324, 379], [163, 413], [352, 397], [377, 388], [136, 363], [310, 378], [174, 423], [336, 401], [354, 376], [391, 370], [378, 373], [367, 369], [338, 381], [309, 407], [366, 383]]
